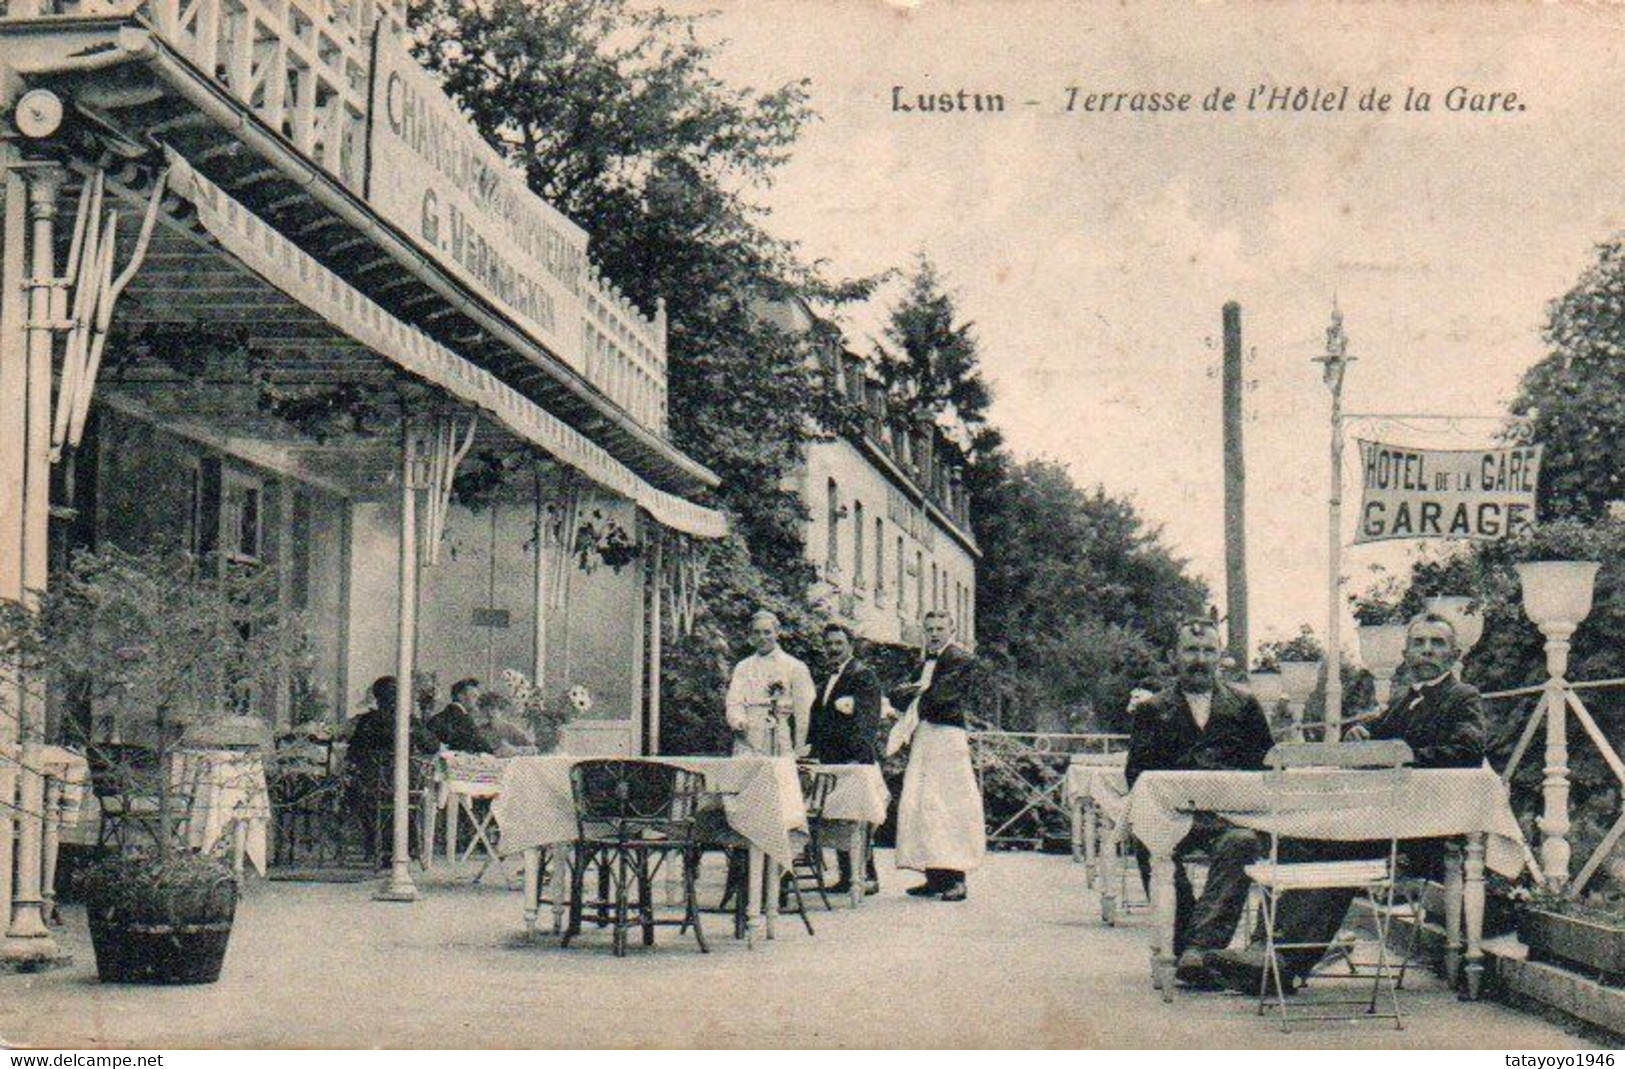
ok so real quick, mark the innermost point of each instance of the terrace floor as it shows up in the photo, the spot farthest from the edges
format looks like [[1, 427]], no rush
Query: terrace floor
[[1025, 962]]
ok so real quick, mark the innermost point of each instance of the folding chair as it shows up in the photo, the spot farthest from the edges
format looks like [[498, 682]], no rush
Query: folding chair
[[807, 870], [127, 782], [1331, 778]]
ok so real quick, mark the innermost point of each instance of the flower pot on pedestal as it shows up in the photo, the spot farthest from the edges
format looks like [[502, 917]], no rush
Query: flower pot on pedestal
[[1556, 596], [1382, 648], [1299, 679]]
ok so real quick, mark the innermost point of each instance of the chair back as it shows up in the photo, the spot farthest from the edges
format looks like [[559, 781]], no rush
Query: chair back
[[625, 799], [123, 770], [815, 790], [1102, 760], [300, 755], [1335, 777]]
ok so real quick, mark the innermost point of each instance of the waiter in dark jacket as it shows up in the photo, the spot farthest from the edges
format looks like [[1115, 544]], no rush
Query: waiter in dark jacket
[[940, 823], [1202, 723], [845, 723], [454, 726], [1442, 720]]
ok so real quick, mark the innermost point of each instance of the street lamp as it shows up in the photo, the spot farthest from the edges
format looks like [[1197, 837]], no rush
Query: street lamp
[[1334, 364]]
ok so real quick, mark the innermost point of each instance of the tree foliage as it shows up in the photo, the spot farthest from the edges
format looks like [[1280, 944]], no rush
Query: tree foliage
[[616, 117], [929, 361], [1575, 397], [1078, 599]]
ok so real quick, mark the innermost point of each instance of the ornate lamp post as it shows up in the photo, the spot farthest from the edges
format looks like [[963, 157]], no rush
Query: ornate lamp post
[[1333, 366]]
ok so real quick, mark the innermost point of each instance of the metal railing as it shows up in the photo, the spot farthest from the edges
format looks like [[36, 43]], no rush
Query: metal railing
[[1033, 764]]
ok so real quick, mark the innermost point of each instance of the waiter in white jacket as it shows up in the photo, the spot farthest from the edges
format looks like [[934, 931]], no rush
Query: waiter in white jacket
[[770, 695]]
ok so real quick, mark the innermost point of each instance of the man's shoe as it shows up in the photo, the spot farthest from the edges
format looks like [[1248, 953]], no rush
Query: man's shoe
[[839, 887], [1245, 971], [925, 890], [871, 887], [955, 893], [1191, 971]]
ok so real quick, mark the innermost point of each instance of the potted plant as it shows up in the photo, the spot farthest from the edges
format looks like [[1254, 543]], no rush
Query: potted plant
[[1380, 615], [1589, 934], [163, 643], [544, 721], [1557, 565]]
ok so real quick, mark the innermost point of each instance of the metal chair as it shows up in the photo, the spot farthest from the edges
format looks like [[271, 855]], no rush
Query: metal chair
[[128, 783], [807, 869], [306, 801], [633, 816], [1330, 778]]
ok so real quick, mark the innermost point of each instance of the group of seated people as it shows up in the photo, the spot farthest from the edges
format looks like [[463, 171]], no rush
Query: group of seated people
[[1201, 722], [469, 723]]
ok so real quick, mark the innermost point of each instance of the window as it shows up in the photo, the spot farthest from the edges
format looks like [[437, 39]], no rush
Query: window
[[936, 595], [859, 579], [880, 557], [902, 570], [240, 518], [919, 582], [832, 553]]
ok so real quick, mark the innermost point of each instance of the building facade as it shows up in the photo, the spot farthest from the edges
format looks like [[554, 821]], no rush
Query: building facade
[[889, 515], [268, 299]]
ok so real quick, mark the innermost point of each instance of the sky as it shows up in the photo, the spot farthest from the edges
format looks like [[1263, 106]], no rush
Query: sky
[[1094, 252]]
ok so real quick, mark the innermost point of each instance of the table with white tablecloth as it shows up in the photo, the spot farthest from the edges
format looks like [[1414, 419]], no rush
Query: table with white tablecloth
[[229, 798], [1096, 794], [1467, 804], [760, 799], [461, 779], [857, 804]]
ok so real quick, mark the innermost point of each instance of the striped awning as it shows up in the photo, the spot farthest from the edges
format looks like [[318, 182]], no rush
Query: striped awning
[[263, 250]]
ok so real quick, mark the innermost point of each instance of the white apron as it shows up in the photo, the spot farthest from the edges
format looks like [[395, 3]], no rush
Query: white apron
[[939, 817]]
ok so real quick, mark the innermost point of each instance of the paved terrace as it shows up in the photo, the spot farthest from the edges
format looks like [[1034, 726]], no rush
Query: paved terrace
[[1026, 962]]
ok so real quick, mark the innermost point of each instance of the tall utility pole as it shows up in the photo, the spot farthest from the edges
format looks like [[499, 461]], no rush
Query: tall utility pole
[[1333, 366], [1235, 493]]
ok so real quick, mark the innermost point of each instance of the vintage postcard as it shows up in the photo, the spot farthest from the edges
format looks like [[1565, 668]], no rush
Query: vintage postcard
[[811, 523]]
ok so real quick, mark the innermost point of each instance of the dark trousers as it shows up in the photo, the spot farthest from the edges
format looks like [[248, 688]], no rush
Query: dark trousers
[[1314, 917], [1208, 923]]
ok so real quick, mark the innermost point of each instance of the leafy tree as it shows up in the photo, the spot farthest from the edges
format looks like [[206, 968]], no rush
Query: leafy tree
[[1078, 599], [613, 112], [1575, 397]]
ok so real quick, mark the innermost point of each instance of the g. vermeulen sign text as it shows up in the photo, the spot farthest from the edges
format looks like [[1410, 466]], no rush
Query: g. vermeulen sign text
[[1484, 494], [432, 175]]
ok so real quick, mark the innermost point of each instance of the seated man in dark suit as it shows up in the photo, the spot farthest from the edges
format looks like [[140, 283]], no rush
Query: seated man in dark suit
[[845, 725], [454, 726], [370, 763], [1442, 720], [1202, 723]]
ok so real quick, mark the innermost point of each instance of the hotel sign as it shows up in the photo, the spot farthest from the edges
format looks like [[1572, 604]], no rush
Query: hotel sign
[[433, 176], [1482, 494]]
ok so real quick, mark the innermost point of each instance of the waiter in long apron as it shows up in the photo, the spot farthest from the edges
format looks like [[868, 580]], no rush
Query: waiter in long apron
[[940, 825]]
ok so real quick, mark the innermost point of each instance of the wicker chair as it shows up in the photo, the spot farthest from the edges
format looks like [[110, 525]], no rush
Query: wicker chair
[[307, 802], [632, 817]]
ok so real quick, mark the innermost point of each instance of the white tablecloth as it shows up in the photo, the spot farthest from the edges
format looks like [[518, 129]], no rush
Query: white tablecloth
[[1104, 785], [859, 793], [1431, 803], [472, 775], [227, 787], [761, 799]]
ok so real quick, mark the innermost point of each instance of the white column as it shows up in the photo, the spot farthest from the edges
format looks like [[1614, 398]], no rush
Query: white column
[[29, 940], [13, 432], [400, 887], [656, 639], [1554, 820]]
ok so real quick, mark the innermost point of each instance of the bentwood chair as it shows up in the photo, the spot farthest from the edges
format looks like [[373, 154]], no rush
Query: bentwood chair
[[807, 870], [1330, 778], [632, 817]]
